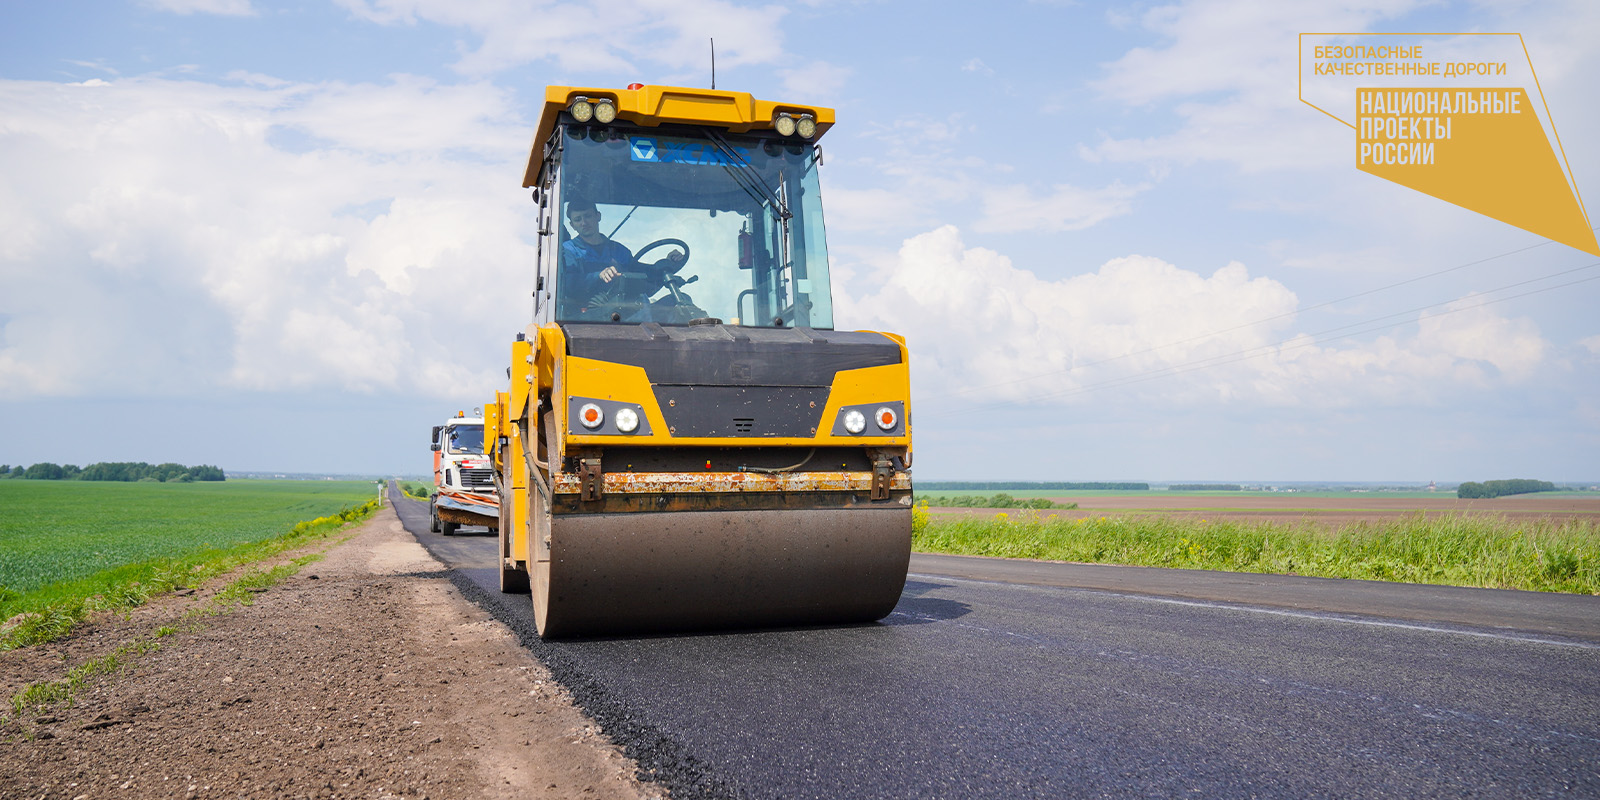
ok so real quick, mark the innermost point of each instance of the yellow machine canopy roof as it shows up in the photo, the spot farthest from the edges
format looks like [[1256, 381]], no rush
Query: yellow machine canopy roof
[[650, 106]]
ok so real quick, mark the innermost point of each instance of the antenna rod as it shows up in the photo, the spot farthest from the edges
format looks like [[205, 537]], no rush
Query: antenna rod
[[713, 63]]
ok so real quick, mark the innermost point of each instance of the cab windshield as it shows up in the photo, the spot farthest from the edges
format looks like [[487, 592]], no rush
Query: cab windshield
[[466, 438], [674, 227]]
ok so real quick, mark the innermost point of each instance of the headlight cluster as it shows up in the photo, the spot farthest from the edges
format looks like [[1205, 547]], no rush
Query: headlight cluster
[[601, 109], [592, 416], [789, 124], [589, 416], [853, 419]]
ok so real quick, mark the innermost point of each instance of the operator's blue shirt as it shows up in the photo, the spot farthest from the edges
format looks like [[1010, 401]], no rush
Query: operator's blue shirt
[[581, 265]]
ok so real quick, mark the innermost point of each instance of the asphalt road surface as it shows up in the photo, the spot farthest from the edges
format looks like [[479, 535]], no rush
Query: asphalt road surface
[[1026, 680]]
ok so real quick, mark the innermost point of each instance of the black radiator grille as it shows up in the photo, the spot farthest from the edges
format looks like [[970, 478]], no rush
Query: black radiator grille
[[762, 411], [477, 478]]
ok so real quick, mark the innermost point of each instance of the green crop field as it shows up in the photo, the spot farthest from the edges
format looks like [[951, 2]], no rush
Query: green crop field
[[1539, 554], [54, 532]]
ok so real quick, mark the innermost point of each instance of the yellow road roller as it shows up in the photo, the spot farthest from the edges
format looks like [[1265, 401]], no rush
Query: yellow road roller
[[686, 442]]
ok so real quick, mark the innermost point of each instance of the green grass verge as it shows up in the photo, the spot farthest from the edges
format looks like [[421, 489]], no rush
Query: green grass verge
[[999, 500], [51, 611], [1457, 550], [55, 532]]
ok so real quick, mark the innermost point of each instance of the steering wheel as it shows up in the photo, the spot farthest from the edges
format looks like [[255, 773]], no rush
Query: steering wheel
[[639, 256], [621, 298], [619, 301]]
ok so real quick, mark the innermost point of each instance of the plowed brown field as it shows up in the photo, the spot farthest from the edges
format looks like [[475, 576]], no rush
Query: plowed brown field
[[1330, 511]]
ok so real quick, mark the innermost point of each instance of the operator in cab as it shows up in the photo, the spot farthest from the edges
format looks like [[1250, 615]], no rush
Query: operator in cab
[[601, 279]]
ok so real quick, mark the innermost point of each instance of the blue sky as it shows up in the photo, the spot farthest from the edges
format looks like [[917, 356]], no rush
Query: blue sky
[[291, 236]]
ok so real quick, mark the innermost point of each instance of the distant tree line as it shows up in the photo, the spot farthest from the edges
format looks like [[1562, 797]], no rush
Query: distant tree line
[[126, 471], [1205, 487], [1001, 500], [1477, 491], [1025, 486]]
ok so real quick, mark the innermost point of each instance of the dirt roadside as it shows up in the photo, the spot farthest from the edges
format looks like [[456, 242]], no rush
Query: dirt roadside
[[366, 674]]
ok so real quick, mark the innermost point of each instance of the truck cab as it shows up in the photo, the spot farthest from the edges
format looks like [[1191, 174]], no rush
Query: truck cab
[[462, 477]]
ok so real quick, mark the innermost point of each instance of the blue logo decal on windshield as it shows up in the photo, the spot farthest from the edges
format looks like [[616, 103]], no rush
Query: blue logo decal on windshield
[[683, 151], [643, 149]]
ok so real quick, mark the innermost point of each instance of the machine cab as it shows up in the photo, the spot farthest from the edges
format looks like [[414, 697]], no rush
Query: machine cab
[[643, 220]]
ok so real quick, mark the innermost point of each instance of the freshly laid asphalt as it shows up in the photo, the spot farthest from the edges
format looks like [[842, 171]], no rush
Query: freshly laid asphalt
[[1021, 679]]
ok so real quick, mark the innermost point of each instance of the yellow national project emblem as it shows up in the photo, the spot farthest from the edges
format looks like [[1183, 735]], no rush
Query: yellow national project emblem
[[1483, 148]]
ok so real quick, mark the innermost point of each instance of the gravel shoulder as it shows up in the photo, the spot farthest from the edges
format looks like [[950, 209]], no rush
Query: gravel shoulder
[[365, 674]]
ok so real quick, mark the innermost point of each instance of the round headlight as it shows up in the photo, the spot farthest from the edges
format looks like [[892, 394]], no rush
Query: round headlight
[[627, 420], [604, 112], [581, 110], [886, 418], [855, 421], [784, 124], [807, 126], [591, 416]]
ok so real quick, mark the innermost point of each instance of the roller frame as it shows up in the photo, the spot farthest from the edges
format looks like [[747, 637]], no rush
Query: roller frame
[[674, 552]]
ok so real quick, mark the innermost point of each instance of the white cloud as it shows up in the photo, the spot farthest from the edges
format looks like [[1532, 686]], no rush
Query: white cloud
[[873, 209], [1010, 209], [161, 237], [1161, 335], [925, 174], [372, 119], [1237, 59], [1228, 70], [98, 65], [231, 8], [1253, 133], [815, 82], [605, 38], [1227, 46], [1467, 331], [257, 79], [423, 232], [977, 65], [974, 319]]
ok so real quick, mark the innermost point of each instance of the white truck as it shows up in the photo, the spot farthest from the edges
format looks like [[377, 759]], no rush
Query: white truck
[[464, 489]]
